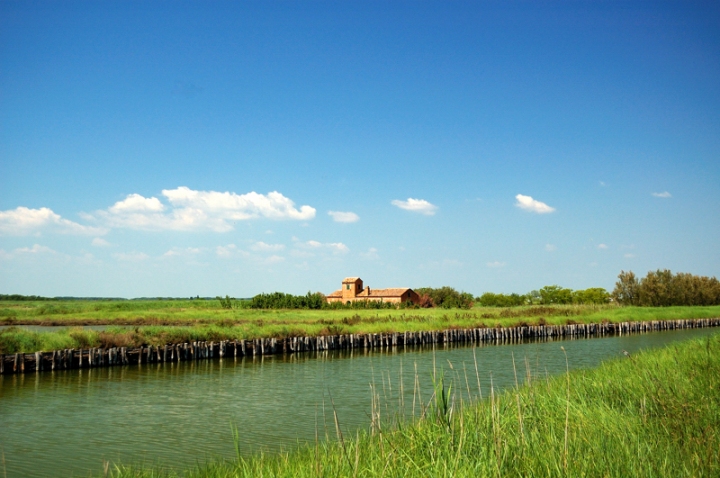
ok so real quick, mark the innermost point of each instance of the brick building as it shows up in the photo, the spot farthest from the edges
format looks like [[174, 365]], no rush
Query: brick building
[[352, 290]]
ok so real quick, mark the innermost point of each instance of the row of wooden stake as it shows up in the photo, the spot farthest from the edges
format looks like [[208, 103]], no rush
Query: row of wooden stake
[[201, 350]]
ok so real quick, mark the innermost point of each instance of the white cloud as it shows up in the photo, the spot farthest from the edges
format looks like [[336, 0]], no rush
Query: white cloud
[[371, 254], [550, 247], [100, 242], [663, 194], [263, 247], [416, 205], [496, 264], [629, 256], [23, 221], [602, 183], [274, 259], [339, 216], [529, 204], [602, 246], [239, 206], [182, 252], [192, 210], [35, 249], [130, 256], [336, 247], [301, 254], [137, 203], [226, 251]]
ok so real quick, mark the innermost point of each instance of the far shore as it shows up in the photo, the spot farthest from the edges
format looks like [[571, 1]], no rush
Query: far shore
[[160, 322]]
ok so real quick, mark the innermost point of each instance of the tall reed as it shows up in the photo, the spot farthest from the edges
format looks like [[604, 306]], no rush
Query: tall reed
[[654, 414]]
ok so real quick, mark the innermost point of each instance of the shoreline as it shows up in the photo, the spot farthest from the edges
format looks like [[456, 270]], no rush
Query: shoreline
[[93, 357]]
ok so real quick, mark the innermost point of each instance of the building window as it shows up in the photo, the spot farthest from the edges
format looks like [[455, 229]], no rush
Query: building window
[[348, 287]]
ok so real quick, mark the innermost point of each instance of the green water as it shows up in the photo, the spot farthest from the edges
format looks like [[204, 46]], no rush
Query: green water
[[67, 423]]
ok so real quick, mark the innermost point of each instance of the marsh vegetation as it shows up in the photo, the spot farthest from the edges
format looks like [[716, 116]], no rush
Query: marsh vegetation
[[654, 413], [163, 322]]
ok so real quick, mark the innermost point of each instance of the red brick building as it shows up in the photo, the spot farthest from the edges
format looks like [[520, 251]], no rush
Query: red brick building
[[352, 290]]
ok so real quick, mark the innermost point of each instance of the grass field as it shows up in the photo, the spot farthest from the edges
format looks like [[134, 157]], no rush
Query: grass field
[[655, 414], [157, 322]]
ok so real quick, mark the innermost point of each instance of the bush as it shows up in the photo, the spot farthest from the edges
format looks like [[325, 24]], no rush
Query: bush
[[280, 300], [594, 295], [447, 297], [361, 304], [489, 299]]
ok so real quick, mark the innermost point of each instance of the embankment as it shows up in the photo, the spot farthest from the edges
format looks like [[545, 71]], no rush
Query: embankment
[[113, 356]]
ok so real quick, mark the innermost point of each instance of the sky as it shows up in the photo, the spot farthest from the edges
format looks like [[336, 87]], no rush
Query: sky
[[175, 149]]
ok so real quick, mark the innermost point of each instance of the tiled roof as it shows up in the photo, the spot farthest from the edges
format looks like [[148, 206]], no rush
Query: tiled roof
[[395, 292], [337, 293], [350, 279]]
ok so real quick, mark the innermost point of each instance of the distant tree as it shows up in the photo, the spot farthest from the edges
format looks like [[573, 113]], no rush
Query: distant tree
[[447, 297], [626, 289], [18, 297], [554, 294], [533, 297], [226, 303], [489, 299], [280, 300], [594, 295], [426, 301], [662, 288]]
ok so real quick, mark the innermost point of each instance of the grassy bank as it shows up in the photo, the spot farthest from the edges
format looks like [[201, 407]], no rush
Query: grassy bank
[[162, 322], [190, 312], [654, 414]]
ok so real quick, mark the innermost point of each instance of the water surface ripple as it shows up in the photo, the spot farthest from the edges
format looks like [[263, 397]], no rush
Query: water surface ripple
[[67, 423]]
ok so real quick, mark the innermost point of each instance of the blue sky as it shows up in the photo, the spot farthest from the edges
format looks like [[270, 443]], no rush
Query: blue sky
[[205, 148]]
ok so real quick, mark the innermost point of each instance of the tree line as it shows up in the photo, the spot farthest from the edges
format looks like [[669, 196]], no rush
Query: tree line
[[445, 297], [548, 295], [662, 288], [19, 297]]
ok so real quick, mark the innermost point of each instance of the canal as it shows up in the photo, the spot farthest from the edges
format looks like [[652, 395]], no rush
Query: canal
[[69, 423]]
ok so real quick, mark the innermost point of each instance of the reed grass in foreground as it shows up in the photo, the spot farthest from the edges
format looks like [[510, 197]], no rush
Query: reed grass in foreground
[[656, 413]]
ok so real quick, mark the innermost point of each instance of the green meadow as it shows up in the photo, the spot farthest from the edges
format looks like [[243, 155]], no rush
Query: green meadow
[[157, 322]]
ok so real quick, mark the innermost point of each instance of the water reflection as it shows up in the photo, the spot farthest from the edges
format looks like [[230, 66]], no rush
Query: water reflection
[[67, 422]]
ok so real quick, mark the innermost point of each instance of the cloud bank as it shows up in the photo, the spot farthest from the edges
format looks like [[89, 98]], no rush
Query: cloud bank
[[192, 210], [416, 205], [527, 203], [24, 221]]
